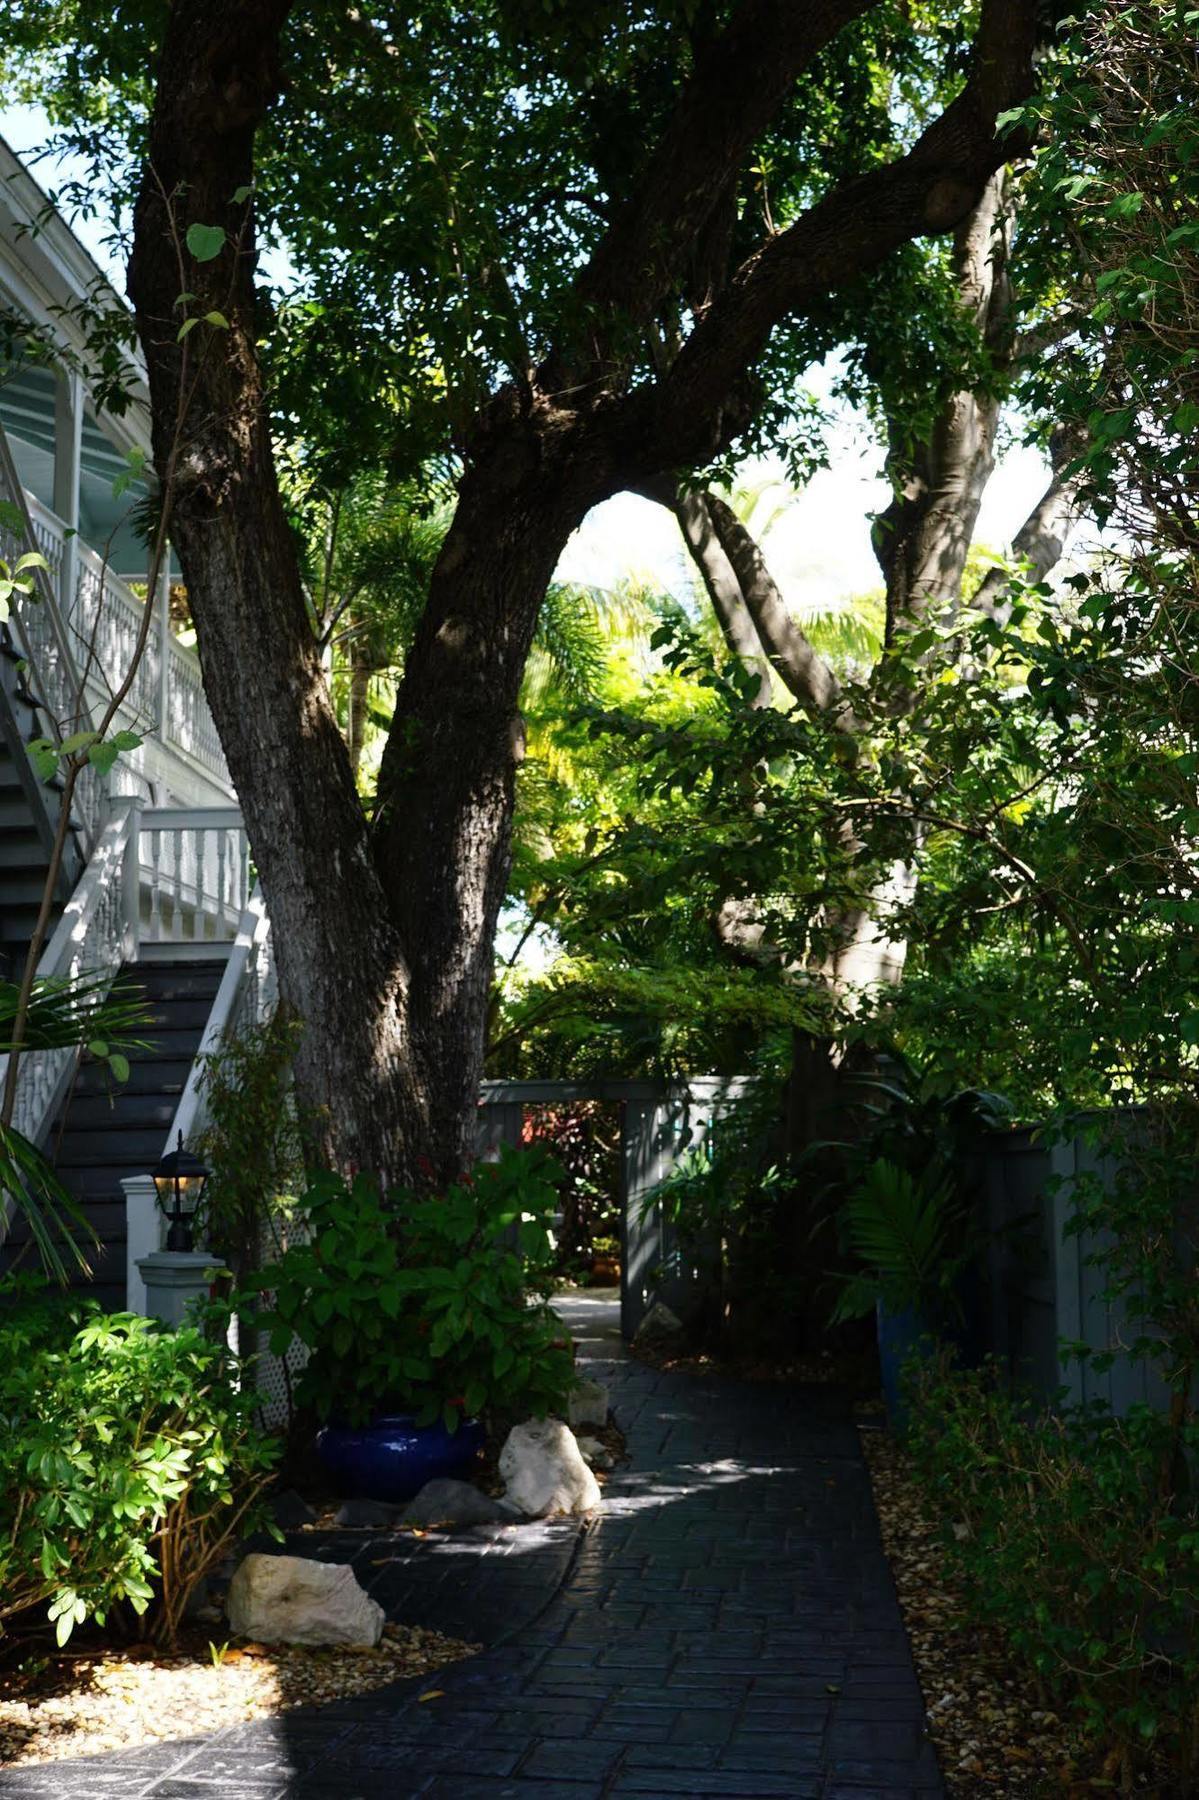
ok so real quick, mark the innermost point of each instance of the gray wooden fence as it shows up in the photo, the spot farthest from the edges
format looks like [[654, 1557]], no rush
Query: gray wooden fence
[[659, 1121], [1044, 1286]]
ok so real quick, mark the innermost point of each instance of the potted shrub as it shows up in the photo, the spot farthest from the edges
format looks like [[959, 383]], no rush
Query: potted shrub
[[910, 1234], [420, 1316], [605, 1260]]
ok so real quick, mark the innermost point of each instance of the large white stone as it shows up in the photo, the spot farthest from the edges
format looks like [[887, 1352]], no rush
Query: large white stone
[[294, 1600], [588, 1405], [544, 1471], [659, 1325]]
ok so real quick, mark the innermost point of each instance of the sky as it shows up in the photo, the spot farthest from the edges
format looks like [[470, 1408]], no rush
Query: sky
[[819, 548]]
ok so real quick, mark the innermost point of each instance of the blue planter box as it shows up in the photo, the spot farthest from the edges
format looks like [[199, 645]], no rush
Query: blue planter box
[[393, 1457]]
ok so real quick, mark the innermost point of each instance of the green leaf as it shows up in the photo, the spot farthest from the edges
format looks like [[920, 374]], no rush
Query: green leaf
[[205, 242], [43, 753], [79, 740]]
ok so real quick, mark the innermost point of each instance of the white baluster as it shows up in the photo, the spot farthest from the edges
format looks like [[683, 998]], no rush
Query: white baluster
[[177, 922], [222, 880], [155, 886]]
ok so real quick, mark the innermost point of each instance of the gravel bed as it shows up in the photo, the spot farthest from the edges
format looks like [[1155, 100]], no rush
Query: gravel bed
[[993, 1732], [65, 1705]]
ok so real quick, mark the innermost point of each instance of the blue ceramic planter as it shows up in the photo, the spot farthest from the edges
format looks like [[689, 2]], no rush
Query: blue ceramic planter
[[909, 1333], [899, 1335], [393, 1456]]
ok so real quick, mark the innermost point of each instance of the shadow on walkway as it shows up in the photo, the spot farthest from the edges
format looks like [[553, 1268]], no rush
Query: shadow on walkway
[[729, 1627]]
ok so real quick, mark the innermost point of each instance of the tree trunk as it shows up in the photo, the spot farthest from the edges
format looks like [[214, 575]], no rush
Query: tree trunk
[[384, 936], [447, 781], [923, 538], [338, 953]]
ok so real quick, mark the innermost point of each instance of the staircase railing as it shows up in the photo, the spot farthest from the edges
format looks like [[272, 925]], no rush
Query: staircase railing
[[159, 882], [195, 874], [95, 934], [245, 998], [43, 640]]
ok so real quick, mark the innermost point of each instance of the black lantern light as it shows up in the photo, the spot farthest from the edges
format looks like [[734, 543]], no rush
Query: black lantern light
[[180, 1179]]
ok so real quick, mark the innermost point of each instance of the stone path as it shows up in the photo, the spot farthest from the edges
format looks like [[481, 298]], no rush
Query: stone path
[[729, 1628]]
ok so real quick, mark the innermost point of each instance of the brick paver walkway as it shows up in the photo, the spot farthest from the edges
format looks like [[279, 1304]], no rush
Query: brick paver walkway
[[729, 1628]]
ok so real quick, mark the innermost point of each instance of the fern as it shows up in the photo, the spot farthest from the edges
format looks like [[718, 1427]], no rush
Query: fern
[[905, 1230]]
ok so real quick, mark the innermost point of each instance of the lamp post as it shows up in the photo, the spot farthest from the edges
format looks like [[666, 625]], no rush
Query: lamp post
[[177, 1275], [180, 1179]]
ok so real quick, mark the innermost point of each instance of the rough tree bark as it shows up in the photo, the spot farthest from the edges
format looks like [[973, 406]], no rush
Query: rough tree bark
[[385, 936], [924, 536], [341, 965]]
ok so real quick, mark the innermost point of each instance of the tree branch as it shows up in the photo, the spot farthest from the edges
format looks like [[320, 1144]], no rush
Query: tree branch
[[692, 511], [843, 236], [1042, 538], [740, 80], [804, 673]]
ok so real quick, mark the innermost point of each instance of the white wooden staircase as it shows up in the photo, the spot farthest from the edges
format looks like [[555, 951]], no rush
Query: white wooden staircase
[[160, 897]]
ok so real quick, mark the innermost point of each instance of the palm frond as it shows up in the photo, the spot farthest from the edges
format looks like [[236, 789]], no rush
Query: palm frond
[[569, 649], [901, 1229], [55, 1222], [74, 1010]]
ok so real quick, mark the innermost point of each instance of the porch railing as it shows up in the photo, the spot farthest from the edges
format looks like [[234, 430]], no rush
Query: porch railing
[[101, 619], [52, 678], [195, 874]]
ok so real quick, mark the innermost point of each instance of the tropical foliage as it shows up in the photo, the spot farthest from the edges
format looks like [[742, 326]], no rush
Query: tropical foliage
[[131, 1462]]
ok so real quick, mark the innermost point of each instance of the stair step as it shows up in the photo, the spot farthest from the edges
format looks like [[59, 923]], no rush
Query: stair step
[[21, 847], [105, 1213], [120, 1106], [17, 919], [152, 1075], [172, 1015], [127, 1147], [169, 1044], [18, 888], [15, 811], [177, 981], [101, 1181]]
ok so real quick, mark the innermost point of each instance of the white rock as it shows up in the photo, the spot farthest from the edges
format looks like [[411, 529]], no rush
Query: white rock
[[294, 1600], [659, 1322], [588, 1405], [544, 1472], [595, 1453]]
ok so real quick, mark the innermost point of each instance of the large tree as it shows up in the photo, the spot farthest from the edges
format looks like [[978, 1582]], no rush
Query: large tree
[[648, 354]]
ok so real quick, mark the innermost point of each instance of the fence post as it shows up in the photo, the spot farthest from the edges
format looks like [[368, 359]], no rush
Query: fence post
[[143, 1231]]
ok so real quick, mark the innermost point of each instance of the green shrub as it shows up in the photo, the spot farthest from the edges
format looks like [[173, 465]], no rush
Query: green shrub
[[431, 1306], [253, 1143], [1072, 1536], [129, 1461]]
